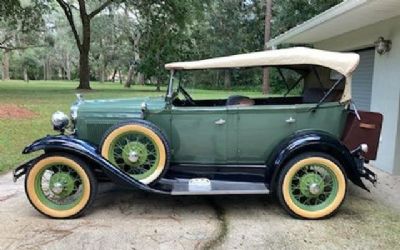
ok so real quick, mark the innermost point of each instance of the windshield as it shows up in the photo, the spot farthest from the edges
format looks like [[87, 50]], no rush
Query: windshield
[[287, 85], [222, 83]]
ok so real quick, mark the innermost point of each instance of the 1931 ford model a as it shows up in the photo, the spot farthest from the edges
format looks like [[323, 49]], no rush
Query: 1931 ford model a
[[302, 148]]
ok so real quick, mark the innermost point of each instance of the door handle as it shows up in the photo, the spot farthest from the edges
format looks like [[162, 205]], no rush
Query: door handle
[[290, 120], [220, 122]]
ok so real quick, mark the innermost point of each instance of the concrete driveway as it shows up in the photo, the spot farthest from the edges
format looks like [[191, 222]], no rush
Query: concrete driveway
[[123, 219]]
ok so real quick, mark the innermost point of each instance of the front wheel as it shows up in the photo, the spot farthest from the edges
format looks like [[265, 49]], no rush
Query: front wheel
[[312, 186], [60, 186]]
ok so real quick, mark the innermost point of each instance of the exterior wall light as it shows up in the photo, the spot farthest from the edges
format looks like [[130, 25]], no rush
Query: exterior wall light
[[383, 46]]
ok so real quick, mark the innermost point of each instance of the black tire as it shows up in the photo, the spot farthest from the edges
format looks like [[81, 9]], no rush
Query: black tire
[[163, 146], [81, 168], [294, 205]]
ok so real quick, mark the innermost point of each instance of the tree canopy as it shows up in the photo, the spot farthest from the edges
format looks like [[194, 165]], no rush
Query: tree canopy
[[131, 40]]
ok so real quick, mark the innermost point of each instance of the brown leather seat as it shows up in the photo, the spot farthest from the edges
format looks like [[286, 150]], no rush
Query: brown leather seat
[[239, 100]]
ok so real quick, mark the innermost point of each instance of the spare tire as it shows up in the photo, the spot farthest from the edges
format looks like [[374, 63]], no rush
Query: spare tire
[[139, 148]]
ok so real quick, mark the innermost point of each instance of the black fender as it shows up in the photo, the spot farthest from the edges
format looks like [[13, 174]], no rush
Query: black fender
[[312, 140], [88, 152]]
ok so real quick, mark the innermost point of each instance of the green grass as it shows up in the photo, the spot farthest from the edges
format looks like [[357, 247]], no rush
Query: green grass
[[46, 97]]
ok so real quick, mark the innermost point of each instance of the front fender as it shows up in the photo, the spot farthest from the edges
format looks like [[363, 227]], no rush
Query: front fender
[[86, 151], [308, 141]]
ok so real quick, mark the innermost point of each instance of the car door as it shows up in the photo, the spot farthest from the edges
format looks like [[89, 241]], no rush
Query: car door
[[260, 129], [199, 135]]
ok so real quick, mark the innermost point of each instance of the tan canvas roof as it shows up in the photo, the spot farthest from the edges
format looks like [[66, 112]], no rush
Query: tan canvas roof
[[344, 63]]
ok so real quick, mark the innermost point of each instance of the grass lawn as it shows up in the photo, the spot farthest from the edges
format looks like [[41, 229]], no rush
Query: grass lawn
[[46, 97]]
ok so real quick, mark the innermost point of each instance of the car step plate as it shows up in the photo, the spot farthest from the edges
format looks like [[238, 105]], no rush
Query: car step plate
[[203, 186]]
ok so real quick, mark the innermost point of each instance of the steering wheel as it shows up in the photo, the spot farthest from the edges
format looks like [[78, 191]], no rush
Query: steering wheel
[[186, 95]]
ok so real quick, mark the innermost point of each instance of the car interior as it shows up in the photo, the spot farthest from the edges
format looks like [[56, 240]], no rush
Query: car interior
[[319, 84]]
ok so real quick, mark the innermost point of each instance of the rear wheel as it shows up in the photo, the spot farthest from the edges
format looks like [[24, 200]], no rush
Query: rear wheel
[[139, 148], [312, 186], [60, 186]]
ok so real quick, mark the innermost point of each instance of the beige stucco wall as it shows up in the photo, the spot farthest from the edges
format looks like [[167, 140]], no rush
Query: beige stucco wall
[[385, 86]]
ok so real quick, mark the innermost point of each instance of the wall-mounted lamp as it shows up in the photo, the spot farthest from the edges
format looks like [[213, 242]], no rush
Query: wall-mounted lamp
[[383, 46]]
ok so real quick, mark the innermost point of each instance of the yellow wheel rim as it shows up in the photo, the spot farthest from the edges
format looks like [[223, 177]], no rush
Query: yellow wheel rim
[[154, 172], [44, 206], [318, 211]]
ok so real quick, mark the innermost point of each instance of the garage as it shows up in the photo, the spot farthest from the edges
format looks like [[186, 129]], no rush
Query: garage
[[375, 36], [362, 80]]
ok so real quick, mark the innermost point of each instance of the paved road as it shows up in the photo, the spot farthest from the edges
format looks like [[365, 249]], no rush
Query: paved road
[[122, 219]]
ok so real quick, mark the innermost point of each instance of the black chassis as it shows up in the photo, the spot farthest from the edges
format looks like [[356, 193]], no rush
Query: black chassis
[[300, 142]]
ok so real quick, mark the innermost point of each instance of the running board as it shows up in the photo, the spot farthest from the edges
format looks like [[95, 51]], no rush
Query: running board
[[202, 186]]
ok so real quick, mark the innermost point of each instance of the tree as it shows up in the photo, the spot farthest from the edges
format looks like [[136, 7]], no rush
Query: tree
[[267, 36], [83, 40], [289, 13], [20, 28], [164, 34]]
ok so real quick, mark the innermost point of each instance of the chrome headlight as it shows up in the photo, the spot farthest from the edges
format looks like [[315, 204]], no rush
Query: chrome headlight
[[59, 120]]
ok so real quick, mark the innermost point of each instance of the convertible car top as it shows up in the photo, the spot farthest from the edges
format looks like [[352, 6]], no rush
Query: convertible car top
[[344, 63]]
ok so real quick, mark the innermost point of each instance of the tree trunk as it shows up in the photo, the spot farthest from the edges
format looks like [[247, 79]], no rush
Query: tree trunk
[[48, 69], [26, 78], [84, 68], [6, 65], [67, 67], [158, 84], [120, 76], [44, 70], [102, 74], [113, 76], [141, 78], [227, 79], [267, 36], [129, 79], [60, 73]]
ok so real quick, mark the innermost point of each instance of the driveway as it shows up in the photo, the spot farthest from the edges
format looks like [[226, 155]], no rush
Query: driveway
[[124, 219]]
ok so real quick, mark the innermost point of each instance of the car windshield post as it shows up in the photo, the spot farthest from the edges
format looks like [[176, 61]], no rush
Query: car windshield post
[[170, 85]]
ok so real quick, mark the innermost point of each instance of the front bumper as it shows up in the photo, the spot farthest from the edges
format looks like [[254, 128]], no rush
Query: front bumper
[[22, 169]]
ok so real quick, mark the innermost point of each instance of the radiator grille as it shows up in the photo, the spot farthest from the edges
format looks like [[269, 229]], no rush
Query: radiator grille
[[95, 131]]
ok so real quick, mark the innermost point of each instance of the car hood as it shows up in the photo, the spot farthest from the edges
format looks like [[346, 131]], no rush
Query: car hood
[[119, 107]]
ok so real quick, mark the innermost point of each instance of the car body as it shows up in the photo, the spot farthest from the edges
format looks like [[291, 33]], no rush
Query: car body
[[237, 145]]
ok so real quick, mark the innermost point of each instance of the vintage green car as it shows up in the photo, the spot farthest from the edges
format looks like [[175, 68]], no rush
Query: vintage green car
[[302, 146]]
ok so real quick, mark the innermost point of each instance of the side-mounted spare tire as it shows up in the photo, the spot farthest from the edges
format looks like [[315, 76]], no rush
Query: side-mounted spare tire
[[139, 148]]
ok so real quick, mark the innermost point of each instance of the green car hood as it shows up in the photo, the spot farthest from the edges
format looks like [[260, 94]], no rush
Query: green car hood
[[127, 108]]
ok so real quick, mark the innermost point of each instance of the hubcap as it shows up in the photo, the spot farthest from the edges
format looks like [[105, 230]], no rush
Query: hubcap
[[62, 184], [133, 156], [57, 188], [314, 189]]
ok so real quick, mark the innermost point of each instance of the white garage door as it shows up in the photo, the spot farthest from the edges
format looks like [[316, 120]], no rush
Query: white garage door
[[362, 79]]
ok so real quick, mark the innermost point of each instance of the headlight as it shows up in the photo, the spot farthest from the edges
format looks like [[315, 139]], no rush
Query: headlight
[[59, 121]]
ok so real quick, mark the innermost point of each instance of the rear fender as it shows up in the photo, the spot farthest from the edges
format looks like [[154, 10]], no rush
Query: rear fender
[[308, 141], [86, 151]]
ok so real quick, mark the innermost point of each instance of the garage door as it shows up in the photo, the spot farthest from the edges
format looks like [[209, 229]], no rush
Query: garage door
[[362, 79]]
